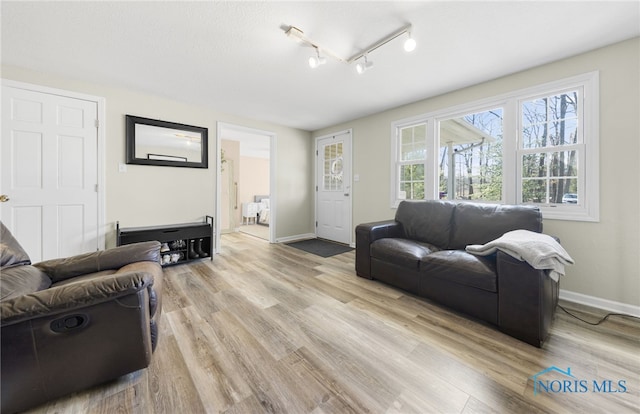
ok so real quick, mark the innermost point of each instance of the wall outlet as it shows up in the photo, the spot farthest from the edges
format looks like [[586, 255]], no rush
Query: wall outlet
[[122, 167]]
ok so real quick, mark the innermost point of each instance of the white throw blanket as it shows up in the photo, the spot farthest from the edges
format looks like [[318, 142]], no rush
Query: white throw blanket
[[539, 250]]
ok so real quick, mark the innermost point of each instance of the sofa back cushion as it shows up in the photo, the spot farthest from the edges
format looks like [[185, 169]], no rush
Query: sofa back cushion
[[11, 253], [480, 223], [17, 276], [426, 221]]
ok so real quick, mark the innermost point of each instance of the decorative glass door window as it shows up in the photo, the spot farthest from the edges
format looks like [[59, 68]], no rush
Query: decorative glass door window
[[333, 167]]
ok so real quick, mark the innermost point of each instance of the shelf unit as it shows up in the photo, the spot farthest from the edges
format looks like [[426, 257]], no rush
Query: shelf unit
[[177, 239]]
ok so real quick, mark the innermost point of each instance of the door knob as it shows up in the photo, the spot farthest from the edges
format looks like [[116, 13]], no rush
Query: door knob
[[4, 198]]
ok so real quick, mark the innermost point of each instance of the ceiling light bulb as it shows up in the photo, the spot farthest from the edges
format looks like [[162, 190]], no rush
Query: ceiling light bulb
[[361, 66], [410, 44]]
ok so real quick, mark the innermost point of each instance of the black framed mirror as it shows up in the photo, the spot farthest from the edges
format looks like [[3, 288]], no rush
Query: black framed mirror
[[155, 142]]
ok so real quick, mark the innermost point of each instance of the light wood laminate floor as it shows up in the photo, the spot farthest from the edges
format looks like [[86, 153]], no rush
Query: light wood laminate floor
[[269, 328]]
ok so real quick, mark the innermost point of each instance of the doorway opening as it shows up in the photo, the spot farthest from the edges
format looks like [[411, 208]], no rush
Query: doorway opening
[[246, 181]]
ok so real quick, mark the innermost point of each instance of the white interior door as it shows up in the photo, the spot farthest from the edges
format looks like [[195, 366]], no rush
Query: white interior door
[[333, 187], [49, 153]]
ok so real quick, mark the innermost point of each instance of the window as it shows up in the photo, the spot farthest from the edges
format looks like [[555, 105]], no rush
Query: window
[[534, 146], [412, 156], [470, 160], [550, 147]]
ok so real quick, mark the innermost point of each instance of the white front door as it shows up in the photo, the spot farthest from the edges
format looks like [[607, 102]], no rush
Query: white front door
[[333, 185], [49, 154]]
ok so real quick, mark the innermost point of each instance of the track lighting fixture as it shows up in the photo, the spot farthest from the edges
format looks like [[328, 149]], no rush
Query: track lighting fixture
[[315, 61], [362, 65]]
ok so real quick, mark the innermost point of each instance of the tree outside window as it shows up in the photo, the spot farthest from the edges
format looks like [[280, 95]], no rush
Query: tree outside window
[[470, 159], [549, 143]]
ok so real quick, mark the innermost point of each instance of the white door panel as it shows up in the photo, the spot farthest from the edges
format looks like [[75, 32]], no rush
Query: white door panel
[[49, 172], [333, 196], [27, 229]]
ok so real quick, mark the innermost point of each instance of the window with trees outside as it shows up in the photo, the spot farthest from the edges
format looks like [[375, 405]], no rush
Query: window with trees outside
[[535, 146], [550, 148], [412, 156], [470, 159]]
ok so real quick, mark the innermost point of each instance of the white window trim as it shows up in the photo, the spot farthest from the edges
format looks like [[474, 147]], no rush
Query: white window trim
[[588, 210]]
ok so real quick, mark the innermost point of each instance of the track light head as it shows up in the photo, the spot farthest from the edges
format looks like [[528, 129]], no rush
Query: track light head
[[315, 61], [362, 66], [410, 44]]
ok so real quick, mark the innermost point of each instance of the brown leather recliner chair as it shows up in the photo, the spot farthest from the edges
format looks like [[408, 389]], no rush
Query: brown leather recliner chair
[[68, 324]]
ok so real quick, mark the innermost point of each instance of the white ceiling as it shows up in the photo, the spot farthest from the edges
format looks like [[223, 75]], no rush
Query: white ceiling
[[234, 57]]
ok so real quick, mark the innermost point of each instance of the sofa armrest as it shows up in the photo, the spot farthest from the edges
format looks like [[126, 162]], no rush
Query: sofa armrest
[[366, 234], [115, 258], [72, 296], [527, 300]]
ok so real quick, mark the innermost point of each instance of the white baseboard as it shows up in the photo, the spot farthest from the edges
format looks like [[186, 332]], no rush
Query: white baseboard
[[296, 238], [608, 305]]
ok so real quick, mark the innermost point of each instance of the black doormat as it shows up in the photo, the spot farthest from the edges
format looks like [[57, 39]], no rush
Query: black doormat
[[320, 247]]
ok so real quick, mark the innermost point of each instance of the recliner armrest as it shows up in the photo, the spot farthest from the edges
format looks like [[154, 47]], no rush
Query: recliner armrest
[[115, 258], [72, 296]]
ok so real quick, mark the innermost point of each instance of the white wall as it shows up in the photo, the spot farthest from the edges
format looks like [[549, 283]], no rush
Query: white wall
[[230, 204], [607, 253], [150, 195], [254, 178]]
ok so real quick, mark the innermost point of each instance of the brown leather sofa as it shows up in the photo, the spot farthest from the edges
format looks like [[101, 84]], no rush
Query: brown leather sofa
[[423, 252], [68, 324]]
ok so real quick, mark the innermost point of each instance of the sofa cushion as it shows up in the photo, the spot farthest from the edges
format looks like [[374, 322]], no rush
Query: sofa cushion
[[460, 267], [21, 280], [480, 223], [401, 252], [426, 221]]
